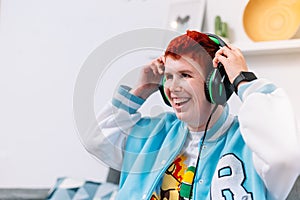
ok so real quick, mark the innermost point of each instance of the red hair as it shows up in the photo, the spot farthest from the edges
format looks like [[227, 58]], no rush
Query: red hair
[[194, 44]]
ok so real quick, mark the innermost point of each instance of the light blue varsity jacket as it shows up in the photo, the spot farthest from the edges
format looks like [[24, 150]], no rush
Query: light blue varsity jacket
[[232, 165]]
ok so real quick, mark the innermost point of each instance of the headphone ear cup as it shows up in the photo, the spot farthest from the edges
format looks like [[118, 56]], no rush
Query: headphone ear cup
[[206, 87], [214, 88], [162, 91]]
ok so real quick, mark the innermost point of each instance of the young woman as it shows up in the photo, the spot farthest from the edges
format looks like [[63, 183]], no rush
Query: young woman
[[200, 151]]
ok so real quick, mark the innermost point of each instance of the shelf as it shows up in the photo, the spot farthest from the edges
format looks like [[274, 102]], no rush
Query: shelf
[[269, 47], [264, 48]]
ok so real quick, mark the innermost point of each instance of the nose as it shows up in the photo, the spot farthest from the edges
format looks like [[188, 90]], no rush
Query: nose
[[175, 85]]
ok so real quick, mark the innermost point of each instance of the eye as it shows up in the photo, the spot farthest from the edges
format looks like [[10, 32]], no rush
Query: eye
[[168, 76], [186, 75]]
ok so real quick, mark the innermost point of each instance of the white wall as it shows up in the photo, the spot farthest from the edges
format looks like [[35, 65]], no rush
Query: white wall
[[43, 45]]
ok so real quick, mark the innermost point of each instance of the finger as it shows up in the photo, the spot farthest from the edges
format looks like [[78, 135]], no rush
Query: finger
[[221, 59], [219, 52], [222, 52], [235, 49], [161, 69], [154, 68], [226, 51], [231, 53], [228, 46], [161, 59], [161, 65], [231, 47], [215, 62]]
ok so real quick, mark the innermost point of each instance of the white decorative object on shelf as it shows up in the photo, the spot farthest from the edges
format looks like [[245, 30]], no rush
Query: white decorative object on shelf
[[186, 14]]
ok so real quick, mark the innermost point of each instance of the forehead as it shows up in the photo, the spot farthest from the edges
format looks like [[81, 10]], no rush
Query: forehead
[[185, 63]]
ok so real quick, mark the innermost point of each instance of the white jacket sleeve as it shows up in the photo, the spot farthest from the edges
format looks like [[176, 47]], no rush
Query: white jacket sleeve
[[106, 140], [269, 128]]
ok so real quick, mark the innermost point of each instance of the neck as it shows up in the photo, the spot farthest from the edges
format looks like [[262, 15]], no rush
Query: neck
[[215, 116]]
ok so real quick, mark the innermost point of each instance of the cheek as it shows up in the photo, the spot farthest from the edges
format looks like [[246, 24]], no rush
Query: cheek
[[166, 87], [195, 88], [199, 94], [167, 92]]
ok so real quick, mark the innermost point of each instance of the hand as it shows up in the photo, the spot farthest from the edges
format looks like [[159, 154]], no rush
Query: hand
[[150, 77], [232, 59]]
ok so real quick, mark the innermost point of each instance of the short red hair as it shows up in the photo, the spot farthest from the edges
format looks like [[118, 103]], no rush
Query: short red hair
[[194, 44]]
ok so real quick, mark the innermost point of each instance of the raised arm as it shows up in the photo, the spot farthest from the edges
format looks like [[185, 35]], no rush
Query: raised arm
[[267, 124], [269, 128], [106, 140]]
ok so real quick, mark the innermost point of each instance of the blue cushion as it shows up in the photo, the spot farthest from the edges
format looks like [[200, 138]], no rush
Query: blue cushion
[[71, 189]]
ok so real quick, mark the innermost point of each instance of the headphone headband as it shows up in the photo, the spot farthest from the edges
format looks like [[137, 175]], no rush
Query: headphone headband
[[216, 39]]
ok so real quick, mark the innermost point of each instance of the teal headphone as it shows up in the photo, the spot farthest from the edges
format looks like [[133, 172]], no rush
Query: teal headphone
[[217, 87]]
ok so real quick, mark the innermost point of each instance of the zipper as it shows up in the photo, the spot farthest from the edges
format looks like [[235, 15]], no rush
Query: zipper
[[198, 163], [166, 166], [200, 153]]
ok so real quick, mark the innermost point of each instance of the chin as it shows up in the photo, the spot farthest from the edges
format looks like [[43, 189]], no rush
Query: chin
[[188, 117], [182, 116]]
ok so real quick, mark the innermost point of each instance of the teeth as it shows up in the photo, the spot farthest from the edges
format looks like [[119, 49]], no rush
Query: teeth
[[180, 100]]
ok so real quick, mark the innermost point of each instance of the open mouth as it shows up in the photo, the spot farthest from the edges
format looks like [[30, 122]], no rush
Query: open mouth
[[180, 101]]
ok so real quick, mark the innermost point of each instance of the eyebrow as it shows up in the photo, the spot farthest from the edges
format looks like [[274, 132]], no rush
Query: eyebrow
[[186, 71], [181, 71]]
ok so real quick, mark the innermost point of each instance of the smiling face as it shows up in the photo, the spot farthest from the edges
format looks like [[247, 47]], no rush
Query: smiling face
[[184, 87]]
